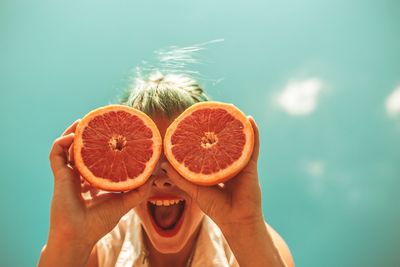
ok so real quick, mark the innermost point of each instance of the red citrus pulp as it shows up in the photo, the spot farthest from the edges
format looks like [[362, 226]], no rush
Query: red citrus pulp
[[209, 143], [116, 147]]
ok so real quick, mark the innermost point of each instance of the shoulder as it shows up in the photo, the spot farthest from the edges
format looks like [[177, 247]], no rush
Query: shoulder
[[281, 245]]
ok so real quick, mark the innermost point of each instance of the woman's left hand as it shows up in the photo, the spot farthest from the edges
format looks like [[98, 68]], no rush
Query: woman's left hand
[[238, 201]]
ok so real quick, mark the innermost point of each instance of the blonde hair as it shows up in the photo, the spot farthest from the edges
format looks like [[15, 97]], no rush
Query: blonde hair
[[168, 94]]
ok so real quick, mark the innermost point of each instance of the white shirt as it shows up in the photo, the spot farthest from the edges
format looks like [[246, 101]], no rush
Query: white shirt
[[124, 247]]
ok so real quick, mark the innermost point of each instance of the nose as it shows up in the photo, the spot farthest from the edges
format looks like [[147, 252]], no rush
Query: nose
[[160, 176], [162, 182]]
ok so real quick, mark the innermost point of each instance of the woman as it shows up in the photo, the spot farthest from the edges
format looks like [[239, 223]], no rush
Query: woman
[[218, 226]]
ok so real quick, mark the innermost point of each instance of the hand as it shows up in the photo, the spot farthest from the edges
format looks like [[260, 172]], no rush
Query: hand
[[236, 208], [77, 218], [238, 201]]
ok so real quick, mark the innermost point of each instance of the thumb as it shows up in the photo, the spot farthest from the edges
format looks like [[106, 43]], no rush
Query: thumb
[[190, 188], [114, 205], [207, 197]]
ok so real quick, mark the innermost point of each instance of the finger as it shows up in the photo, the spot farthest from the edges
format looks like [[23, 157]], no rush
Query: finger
[[256, 148], [88, 191], [71, 128], [203, 195], [85, 191], [85, 187], [68, 186], [66, 180], [71, 155], [93, 192], [58, 155]]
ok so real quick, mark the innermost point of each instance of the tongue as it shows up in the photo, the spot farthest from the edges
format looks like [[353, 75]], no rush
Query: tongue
[[166, 216]]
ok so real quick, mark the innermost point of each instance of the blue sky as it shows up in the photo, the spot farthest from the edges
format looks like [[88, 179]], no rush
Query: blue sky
[[321, 78]]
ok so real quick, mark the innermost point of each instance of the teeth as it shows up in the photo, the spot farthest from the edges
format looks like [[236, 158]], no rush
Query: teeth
[[165, 202]]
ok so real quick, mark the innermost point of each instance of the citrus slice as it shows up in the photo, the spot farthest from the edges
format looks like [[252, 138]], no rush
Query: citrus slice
[[116, 148], [209, 143]]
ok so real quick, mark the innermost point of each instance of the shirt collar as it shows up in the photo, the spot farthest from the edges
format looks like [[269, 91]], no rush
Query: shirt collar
[[209, 249]]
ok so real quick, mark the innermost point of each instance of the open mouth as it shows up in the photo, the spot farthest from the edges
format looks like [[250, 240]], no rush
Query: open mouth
[[166, 215]]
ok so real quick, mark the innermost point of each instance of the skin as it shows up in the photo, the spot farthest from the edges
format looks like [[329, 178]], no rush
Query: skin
[[236, 209], [77, 222], [169, 251]]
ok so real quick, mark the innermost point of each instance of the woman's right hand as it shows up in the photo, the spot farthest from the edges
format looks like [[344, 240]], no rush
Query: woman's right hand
[[73, 217]]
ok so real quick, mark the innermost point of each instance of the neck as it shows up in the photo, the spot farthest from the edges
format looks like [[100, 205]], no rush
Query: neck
[[179, 259]]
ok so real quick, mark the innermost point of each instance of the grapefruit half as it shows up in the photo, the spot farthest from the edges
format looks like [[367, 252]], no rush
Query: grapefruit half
[[209, 143], [116, 147]]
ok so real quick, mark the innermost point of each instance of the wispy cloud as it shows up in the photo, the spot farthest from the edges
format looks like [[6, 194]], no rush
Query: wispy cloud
[[322, 182], [300, 98], [315, 170], [392, 103]]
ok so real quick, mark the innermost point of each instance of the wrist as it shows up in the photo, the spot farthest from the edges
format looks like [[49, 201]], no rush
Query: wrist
[[72, 235], [248, 227], [261, 252], [66, 252]]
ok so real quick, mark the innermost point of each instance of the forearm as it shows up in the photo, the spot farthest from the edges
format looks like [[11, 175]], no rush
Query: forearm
[[65, 253], [252, 244]]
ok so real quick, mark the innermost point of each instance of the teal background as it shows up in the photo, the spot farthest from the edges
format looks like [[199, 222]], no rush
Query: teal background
[[330, 178]]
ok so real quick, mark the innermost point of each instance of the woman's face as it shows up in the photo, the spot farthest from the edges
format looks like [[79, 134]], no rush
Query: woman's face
[[169, 217]]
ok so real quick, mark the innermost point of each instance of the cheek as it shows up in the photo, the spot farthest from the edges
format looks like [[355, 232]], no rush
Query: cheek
[[141, 211]]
